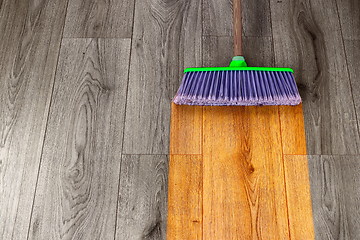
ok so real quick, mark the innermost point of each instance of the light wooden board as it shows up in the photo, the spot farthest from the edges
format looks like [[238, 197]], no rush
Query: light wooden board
[[249, 188], [76, 196], [243, 179], [29, 45], [166, 39], [142, 210], [298, 196], [185, 211], [292, 130], [106, 19], [307, 37], [186, 138]]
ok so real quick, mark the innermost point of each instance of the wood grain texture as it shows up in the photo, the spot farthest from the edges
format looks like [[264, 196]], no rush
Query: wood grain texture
[[29, 45], [292, 130], [217, 18], [258, 51], [78, 182], [232, 162], [167, 39], [242, 160], [185, 198], [186, 129], [307, 37], [331, 218], [349, 18], [257, 19], [298, 197], [93, 18], [353, 55], [142, 210], [350, 168], [216, 51]]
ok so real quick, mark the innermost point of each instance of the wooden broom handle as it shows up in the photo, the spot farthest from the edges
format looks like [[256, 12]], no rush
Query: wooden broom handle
[[237, 28]]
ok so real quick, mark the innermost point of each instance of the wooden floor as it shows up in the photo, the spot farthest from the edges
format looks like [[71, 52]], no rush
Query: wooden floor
[[85, 100], [243, 175]]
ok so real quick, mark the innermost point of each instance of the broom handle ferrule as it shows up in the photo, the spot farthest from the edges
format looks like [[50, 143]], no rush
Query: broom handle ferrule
[[237, 28]]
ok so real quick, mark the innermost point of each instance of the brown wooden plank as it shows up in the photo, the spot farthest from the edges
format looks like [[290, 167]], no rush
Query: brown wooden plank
[[76, 196], [142, 206], [166, 39], [186, 129], [298, 197], [243, 188], [185, 198], [226, 180], [292, 130], [92, 18], [307, 37], [30, 36]]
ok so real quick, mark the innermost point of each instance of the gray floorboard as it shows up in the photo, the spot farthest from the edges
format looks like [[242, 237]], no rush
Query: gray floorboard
[[352, 48], [76, 195], [142, 210], [217, 18], [166, 39], [93, 18], [30, 36], [349, 12], [335, 189], [307, 37]]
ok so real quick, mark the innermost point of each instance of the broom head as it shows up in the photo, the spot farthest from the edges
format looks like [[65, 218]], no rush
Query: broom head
[[238, 85]]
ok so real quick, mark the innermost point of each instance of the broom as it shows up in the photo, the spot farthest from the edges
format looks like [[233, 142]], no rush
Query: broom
[[238, 84]]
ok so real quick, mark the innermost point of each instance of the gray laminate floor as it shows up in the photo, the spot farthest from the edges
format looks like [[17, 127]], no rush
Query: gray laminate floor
[[85, 99]]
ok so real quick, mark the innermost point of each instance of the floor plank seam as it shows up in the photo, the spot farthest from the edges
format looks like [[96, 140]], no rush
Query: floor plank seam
[[124, 120], [348, 70], [179, 154], [152, 154], [47, 122], [124, 38], [330, 155]]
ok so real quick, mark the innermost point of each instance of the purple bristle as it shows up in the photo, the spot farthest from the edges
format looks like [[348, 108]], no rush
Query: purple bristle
[[239, 88]]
